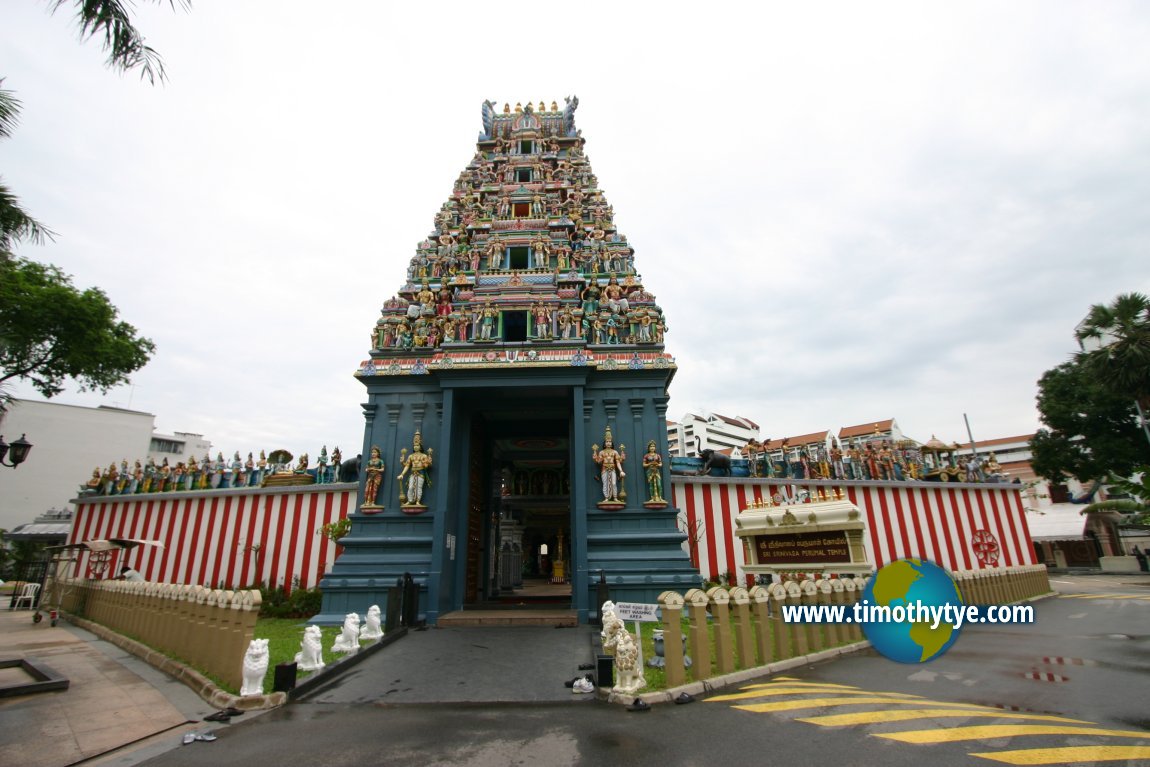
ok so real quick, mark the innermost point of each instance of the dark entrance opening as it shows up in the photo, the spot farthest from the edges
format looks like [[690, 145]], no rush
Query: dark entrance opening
[[519, 510], [519, 257], [514, 326]]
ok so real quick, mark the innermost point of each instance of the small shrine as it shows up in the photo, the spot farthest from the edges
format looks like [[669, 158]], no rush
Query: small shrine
[[804, 532], [519, 357]]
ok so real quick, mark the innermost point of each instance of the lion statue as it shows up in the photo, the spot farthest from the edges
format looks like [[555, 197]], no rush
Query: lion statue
[[310, 655], [620, 642], [627, 662], [370, 628], [348, 639], [255, 667]]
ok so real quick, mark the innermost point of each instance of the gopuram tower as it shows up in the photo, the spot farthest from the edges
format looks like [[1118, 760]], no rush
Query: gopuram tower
[[515, 442]]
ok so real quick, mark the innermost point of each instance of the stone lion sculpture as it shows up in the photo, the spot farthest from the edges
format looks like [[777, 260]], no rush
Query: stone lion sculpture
[[348, 639], [310, 655], [370, 628], [255, 667], [627, 661], [617, 640]]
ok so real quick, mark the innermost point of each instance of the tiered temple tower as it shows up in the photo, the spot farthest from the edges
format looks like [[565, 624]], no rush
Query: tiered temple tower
[[517, 392]]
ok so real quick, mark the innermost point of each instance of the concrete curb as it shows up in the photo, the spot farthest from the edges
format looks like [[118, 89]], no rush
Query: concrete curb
[[707, 686], [208, 690]]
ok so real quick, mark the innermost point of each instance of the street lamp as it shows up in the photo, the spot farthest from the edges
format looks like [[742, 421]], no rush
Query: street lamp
[[19, 450]]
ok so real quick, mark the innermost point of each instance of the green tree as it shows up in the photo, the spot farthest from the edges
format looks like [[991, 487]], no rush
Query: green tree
[[1090, 432], [50, 331]]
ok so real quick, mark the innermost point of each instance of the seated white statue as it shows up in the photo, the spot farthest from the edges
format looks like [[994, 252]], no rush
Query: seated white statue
[[255, 667], [348, 639], [310, 655], [370, 628]]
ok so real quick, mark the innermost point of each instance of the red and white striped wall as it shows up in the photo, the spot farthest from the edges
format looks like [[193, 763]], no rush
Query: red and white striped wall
[[958, 526], [228, 539]]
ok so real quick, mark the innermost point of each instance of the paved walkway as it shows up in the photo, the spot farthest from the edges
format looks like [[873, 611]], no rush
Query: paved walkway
[[118, 711], [114, 700], [492, 664]]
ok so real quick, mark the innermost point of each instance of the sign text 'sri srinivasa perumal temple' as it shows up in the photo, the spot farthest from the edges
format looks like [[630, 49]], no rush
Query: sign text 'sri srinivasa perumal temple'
[[517, 393]]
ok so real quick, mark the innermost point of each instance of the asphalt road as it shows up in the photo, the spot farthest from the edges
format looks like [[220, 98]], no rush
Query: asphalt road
[[1077, 682]]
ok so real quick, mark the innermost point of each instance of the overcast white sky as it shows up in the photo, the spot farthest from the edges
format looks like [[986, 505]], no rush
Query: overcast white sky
[[848, 211]]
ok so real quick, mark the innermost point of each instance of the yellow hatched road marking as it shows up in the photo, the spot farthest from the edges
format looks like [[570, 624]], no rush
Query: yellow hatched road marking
[[792, 705], [896, 715], [1068, 754], [988, 731], [800, 691], [796, 683]]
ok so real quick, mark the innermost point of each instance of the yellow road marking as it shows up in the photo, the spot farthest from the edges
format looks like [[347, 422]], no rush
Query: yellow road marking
[[799, 691], [1127, 596], [989, 731], [792, 705], [1068, 754], [1097, 596], [877, 717], [796, 683]]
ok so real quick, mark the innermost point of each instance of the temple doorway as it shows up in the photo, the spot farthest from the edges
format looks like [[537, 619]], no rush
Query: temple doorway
[[519, 510]]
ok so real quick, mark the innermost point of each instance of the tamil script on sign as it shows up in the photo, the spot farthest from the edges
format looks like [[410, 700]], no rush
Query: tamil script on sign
[[636, 611], [796, 548]]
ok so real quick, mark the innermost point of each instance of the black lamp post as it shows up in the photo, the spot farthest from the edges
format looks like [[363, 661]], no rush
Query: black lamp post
[[19, 451]]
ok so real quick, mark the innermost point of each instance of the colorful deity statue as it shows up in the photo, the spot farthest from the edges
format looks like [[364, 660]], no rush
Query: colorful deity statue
[[415, 467], [653, 468], [611, 474], [373, 471], [321, 466]]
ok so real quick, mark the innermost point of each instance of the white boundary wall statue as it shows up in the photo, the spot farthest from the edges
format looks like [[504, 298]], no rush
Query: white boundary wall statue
[[348, 639], [255, 667], [370, 628], [310, 655], [618, 640]]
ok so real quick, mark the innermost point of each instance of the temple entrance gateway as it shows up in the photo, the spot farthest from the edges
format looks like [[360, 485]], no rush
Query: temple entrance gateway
[[516, 399], [519, 517]]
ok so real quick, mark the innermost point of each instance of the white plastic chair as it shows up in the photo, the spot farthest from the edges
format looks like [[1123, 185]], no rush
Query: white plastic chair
[[27, 594]]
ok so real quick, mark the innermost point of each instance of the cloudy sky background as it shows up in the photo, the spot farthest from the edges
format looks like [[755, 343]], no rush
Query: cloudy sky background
[[848, 211]]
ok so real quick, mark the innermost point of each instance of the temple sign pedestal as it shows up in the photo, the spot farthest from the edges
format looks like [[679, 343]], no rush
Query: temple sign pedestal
[[822, 535]]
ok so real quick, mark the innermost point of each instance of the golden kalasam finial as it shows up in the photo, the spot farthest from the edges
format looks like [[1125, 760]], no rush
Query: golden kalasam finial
[[554, 107], [518, 107], [542, 107], [506, 108]]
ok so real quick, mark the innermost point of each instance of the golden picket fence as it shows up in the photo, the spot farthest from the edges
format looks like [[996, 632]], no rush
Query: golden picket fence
[[208, 629], [747, 629]]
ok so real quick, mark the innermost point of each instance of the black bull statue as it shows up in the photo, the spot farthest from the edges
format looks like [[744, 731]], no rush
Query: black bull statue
[[717, 461]]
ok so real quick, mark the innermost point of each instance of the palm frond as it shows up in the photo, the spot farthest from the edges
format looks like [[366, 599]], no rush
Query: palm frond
[[123, 43]]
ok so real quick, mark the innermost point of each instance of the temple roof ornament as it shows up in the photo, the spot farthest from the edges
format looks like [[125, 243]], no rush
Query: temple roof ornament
[[523, 255]]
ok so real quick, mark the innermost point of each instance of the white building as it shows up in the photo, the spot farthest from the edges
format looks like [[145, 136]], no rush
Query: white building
[[68, 443], [693, 433]]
